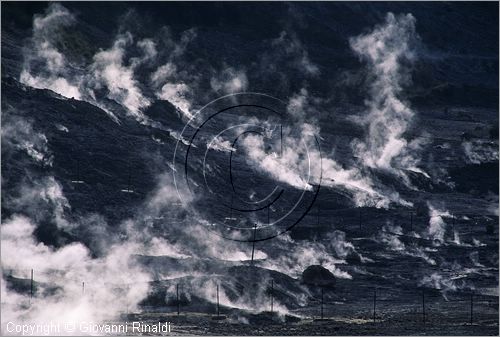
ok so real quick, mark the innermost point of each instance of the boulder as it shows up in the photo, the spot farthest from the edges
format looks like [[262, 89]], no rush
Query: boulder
[[319, 276]]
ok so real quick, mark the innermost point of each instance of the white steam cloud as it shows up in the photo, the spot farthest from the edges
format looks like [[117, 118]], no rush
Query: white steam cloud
[[387, 50], [220, 144], [437, 227], [230, 81], [19, 133], [59, 273], [478, 151], [295, 164], [110, 73], [293, 257], [171, 83], [53, 72], [390, 235], [177, 94]]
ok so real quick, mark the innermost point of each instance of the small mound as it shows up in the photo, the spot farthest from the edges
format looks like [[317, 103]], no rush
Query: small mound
[[317, 275]]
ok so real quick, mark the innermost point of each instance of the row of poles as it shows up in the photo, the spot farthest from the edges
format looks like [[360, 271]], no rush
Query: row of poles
[[318, 218], [423, 306], [489, 226], [471, 316], [318, 222], [322, 303], [129, 190], [32, 286], [178, 302]]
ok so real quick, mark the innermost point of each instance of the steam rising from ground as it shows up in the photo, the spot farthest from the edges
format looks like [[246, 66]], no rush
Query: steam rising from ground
[[111, 72], [294, 257], [387, 50], [437, 226], [59, 274], [172, 83], [19, 133], [390, 235], [53, 73], [230, 81], [105, 260], [477, 151], [301, 159]]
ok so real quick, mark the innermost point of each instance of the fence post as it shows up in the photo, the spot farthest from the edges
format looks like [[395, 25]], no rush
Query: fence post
[[218, 309], [321, 303], [272, 295], [281, 141], [423, 305], [178, 301], [83, 288], [128, 288], [471, 306], [31, 286], [360, 219], [374, 304], [253, 242]]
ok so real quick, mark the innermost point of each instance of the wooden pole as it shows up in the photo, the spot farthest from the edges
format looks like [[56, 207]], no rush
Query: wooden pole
[[178, 301], [31, 286], [83, 288], [374, 304], [321, 303], [423, 305], [253, 242], [281, 140], [128, 288], [411, 221], [360, 219], [218, 309], [272, 294], [471, 306]]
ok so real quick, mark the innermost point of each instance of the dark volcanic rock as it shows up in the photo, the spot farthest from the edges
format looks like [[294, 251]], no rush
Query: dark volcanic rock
[[318, 276]]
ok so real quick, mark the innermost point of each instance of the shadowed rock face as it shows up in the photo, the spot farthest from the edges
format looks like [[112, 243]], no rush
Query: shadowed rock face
[[318, 276]]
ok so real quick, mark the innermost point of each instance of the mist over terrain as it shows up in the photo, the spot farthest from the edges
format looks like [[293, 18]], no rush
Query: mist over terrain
[[369, 130]]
